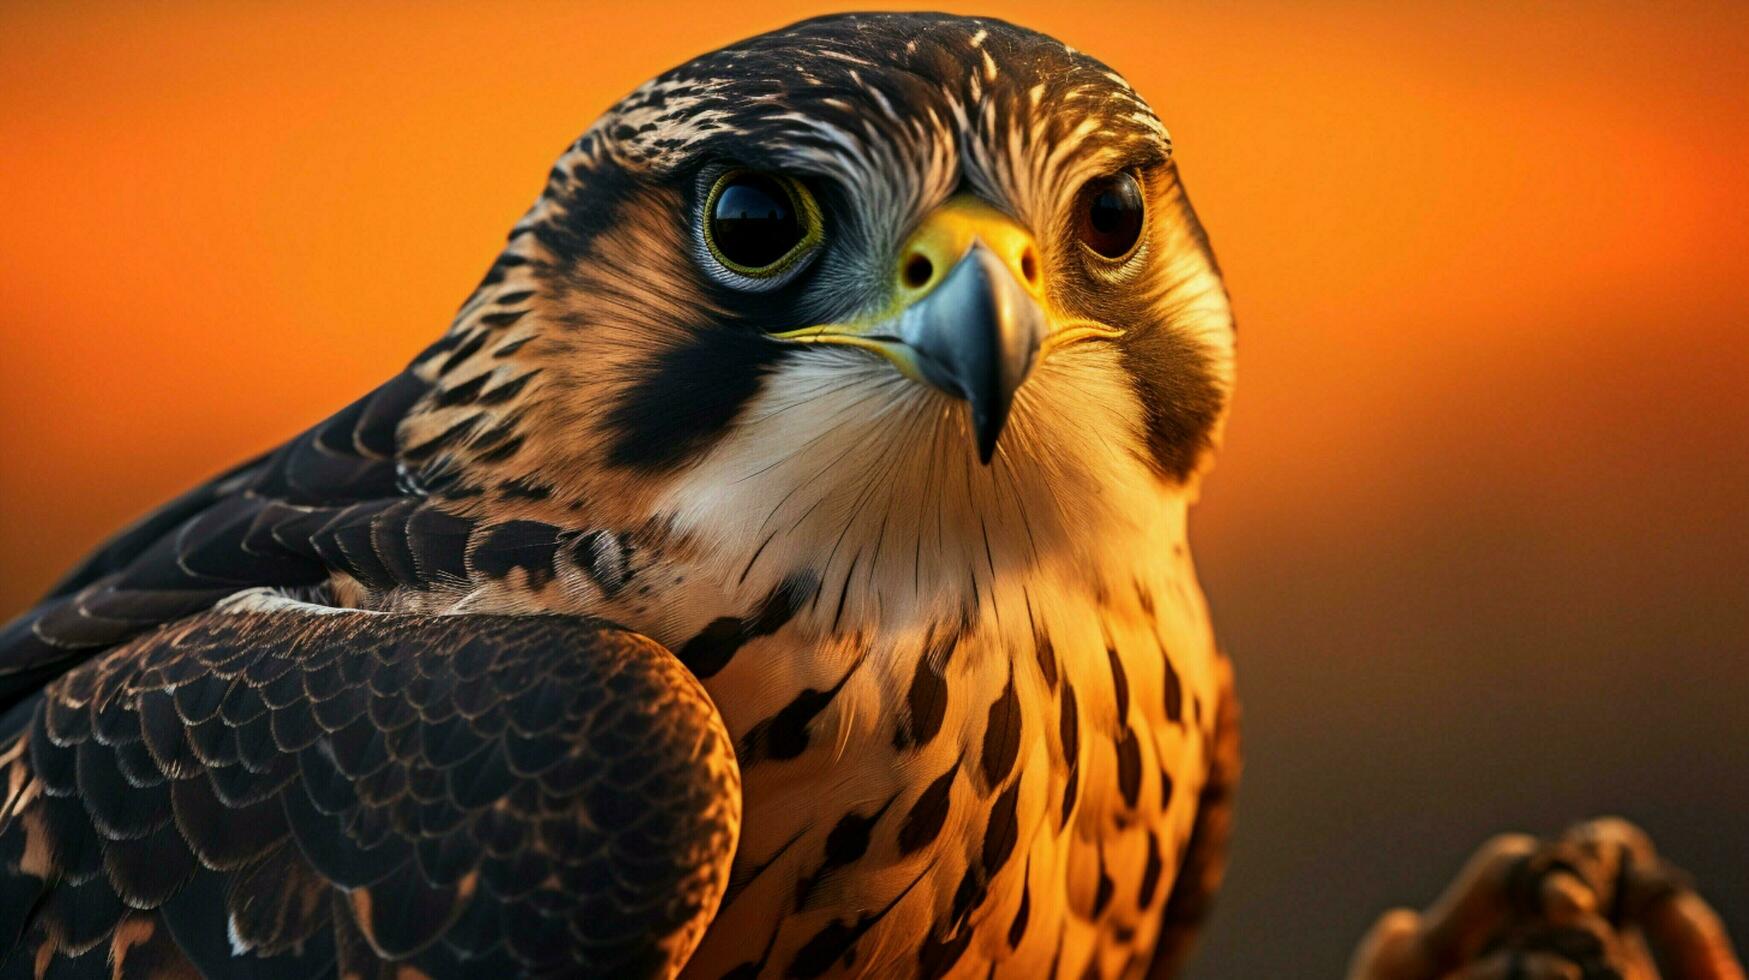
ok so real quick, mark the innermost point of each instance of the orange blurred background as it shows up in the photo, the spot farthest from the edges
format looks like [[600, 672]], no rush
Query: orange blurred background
[[1479, 542]]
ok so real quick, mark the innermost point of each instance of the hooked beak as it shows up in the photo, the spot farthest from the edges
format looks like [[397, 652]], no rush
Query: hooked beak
[[976, 336], [968, 317]]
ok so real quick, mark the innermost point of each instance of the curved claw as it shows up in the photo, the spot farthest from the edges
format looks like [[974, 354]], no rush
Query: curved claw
[[1594, 903]]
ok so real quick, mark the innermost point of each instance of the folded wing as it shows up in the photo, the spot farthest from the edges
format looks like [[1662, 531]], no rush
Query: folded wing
[[278, 789]]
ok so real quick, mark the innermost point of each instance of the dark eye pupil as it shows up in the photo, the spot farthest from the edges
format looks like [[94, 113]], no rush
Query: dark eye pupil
[[1111, 215], [753, 221]]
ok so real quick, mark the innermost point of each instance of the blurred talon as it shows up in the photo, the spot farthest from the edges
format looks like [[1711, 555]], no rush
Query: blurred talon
[[1392, 950], [1552, 872], [1518, 965], [1585, 905], [1690, 938], [1590, 945], [1566, 898], [1463, 917]]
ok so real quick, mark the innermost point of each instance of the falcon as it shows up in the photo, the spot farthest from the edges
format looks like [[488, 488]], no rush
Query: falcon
[[778, 568]]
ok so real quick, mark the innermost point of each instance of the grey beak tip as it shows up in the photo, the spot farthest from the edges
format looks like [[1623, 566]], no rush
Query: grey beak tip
[[988, 431]]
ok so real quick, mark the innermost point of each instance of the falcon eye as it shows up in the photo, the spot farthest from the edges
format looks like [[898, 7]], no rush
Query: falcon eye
[[757, 224], [1109, 214]]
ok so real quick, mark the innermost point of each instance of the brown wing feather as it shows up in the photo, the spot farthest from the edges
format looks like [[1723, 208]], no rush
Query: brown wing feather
[[286, 520], [298, 793]]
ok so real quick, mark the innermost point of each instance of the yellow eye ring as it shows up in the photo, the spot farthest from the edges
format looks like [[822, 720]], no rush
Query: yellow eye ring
[[758, 225]]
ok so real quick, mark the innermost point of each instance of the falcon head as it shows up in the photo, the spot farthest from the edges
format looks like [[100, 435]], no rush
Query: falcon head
[[912, 297]]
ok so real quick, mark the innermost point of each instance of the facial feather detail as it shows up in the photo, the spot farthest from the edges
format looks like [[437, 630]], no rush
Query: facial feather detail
[[659, 394]]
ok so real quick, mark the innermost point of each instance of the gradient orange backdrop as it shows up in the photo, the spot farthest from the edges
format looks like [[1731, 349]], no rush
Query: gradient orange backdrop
[[1480, 539]]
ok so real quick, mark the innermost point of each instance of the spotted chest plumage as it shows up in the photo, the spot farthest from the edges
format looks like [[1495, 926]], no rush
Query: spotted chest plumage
[[965, 801]]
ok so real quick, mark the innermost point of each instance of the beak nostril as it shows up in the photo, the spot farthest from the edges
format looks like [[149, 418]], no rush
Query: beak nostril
[[918, 271], [1029, 266]]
